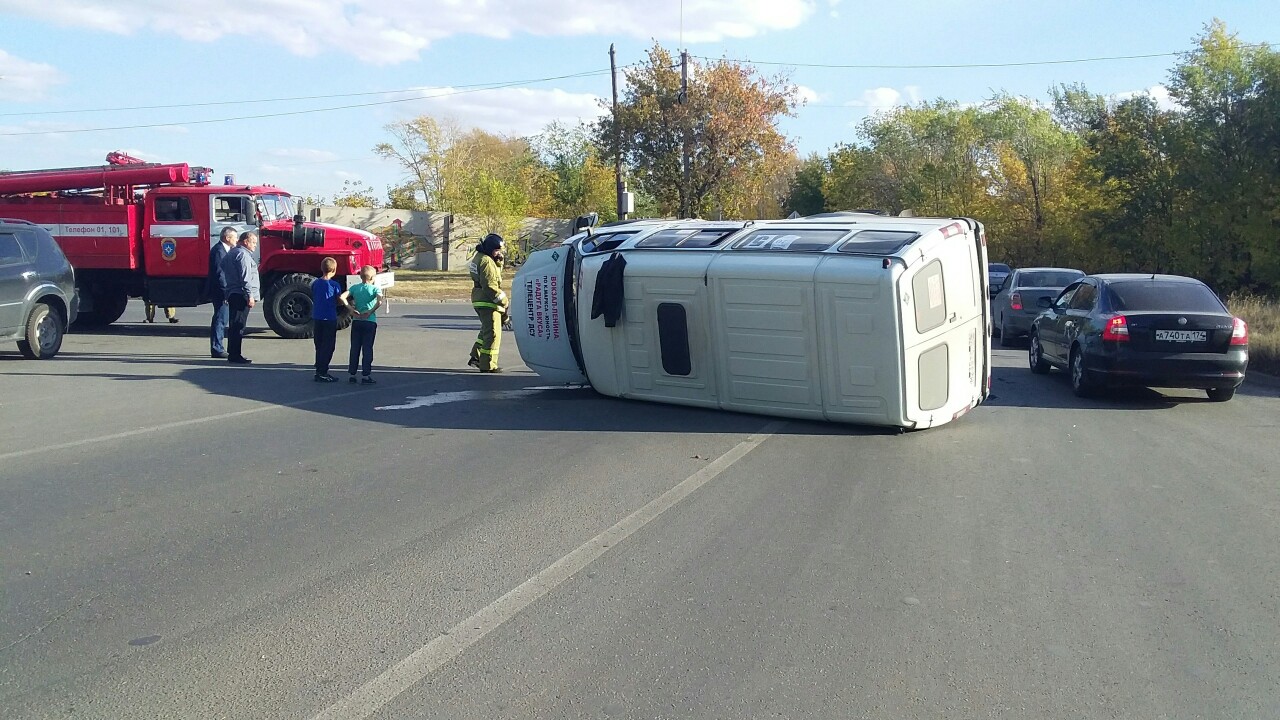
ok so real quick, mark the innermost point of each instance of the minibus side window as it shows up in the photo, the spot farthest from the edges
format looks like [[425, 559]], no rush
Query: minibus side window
[[664, 239], [878, 242], [706, 238], [930, 297], [673, 339], [603, 242]]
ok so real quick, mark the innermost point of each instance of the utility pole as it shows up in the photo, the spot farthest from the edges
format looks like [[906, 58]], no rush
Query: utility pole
[[685, 204], [617, 139]]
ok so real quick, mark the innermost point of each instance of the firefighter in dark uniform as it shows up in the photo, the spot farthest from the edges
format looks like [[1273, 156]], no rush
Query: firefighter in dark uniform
[[489, 301]]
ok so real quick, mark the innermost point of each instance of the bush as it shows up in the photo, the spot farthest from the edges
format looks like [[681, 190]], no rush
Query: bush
[[1263, 315]]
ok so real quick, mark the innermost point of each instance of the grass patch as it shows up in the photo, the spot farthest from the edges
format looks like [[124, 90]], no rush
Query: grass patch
[[1263, 316], [437, 285]]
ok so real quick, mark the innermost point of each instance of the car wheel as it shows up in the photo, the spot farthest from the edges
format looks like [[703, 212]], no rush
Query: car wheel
[[1006, 340], [345, 318], [1221, 394], [43, 338], [1035, 357], [1080, 384]]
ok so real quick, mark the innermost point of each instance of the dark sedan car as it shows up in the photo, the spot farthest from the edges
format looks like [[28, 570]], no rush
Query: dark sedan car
[[1141, 330]]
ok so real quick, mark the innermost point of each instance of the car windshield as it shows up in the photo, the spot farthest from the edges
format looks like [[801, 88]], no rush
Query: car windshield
[[1158, 295], [276, 207], [1048, 278], [997, 268]]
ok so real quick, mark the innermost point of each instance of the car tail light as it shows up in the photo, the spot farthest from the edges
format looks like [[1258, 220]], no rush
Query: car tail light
[[1117, 329], [1015, 301], [1240, 333]]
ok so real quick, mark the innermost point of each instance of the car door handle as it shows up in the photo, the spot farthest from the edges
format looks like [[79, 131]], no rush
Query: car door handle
[[28, 274]]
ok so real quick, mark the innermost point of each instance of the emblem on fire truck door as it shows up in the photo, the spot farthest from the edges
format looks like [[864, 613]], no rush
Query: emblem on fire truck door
[[169, 249]]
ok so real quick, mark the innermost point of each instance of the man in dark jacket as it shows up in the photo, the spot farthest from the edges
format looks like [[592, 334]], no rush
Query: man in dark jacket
[[215, 290]]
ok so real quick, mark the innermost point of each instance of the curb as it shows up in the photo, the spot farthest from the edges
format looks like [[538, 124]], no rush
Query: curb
[[1253, 377], [426, 301]]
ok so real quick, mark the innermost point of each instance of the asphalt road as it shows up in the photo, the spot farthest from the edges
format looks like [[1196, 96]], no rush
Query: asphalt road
[[184, 539]]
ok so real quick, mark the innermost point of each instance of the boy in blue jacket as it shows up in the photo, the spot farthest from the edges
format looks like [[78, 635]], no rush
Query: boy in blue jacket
[[324, 317]]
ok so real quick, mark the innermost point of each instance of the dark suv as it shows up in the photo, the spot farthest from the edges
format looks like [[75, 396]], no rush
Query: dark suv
[[38, 299]]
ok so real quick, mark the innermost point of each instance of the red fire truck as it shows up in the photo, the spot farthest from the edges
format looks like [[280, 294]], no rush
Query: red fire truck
[[137, 229]]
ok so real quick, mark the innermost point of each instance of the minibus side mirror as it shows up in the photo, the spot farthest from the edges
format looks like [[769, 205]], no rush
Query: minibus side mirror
[[582, 222]]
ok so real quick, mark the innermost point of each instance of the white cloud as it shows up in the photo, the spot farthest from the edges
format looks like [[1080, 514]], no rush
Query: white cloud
[[514, 111], [807, 94], [1159, 93], [24, 80], [885, 98], [303, 156], [381, 31], [34, 131]]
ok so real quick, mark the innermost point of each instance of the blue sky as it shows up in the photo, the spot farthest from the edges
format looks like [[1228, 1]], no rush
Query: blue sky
[[76, 55]]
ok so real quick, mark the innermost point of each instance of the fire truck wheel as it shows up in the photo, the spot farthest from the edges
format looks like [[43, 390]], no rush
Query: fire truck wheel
[[344, 318], [288, 306], [108, 306], [44, 334]]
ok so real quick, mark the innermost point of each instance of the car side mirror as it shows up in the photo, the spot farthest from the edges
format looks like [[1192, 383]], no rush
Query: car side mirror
[[1044, 302]]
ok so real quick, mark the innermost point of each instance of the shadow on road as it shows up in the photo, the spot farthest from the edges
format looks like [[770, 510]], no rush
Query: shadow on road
[[449, 398], [1018, 387], [441, 322]]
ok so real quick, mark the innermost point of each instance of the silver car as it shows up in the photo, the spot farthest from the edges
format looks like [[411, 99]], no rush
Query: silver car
[[1015, 305], [38, 300]]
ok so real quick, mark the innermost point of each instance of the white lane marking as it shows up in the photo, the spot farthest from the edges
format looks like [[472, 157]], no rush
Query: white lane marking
[[194, 421], [370, 697], [462, 395]]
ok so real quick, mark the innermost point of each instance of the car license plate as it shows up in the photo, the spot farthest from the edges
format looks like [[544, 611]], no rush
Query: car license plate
[[1181, 336]]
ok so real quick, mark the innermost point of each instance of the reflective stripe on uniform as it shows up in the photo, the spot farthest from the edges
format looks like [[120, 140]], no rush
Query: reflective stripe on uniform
[[483, 304], [483, 351]]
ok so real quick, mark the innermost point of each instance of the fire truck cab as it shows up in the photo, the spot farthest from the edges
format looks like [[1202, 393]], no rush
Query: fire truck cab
[[135, 229]]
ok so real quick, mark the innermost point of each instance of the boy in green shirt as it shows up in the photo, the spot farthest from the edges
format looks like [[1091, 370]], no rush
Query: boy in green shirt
[[364, 299]]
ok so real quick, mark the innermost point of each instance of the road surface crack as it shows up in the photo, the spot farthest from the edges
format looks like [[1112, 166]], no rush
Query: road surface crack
[[50, 621]]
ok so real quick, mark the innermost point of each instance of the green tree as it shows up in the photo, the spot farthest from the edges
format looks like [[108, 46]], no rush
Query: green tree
[[805, 194], [581, 182], [404, 197], [355, 194], [420, 146], [1227, 175], [728, 118], [928, 159], [1026, 137]]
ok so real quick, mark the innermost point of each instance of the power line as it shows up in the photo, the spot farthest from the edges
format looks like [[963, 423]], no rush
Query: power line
[[282, 99], [306, 112], [957, 66]]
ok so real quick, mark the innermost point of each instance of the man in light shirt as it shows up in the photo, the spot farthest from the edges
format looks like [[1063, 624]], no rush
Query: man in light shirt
[[241, 271]]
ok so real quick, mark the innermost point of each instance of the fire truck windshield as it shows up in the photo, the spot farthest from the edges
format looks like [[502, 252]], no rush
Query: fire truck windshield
[[275, 207]]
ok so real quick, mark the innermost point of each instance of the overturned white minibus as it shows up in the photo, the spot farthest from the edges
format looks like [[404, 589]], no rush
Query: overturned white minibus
[[847, 317]]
